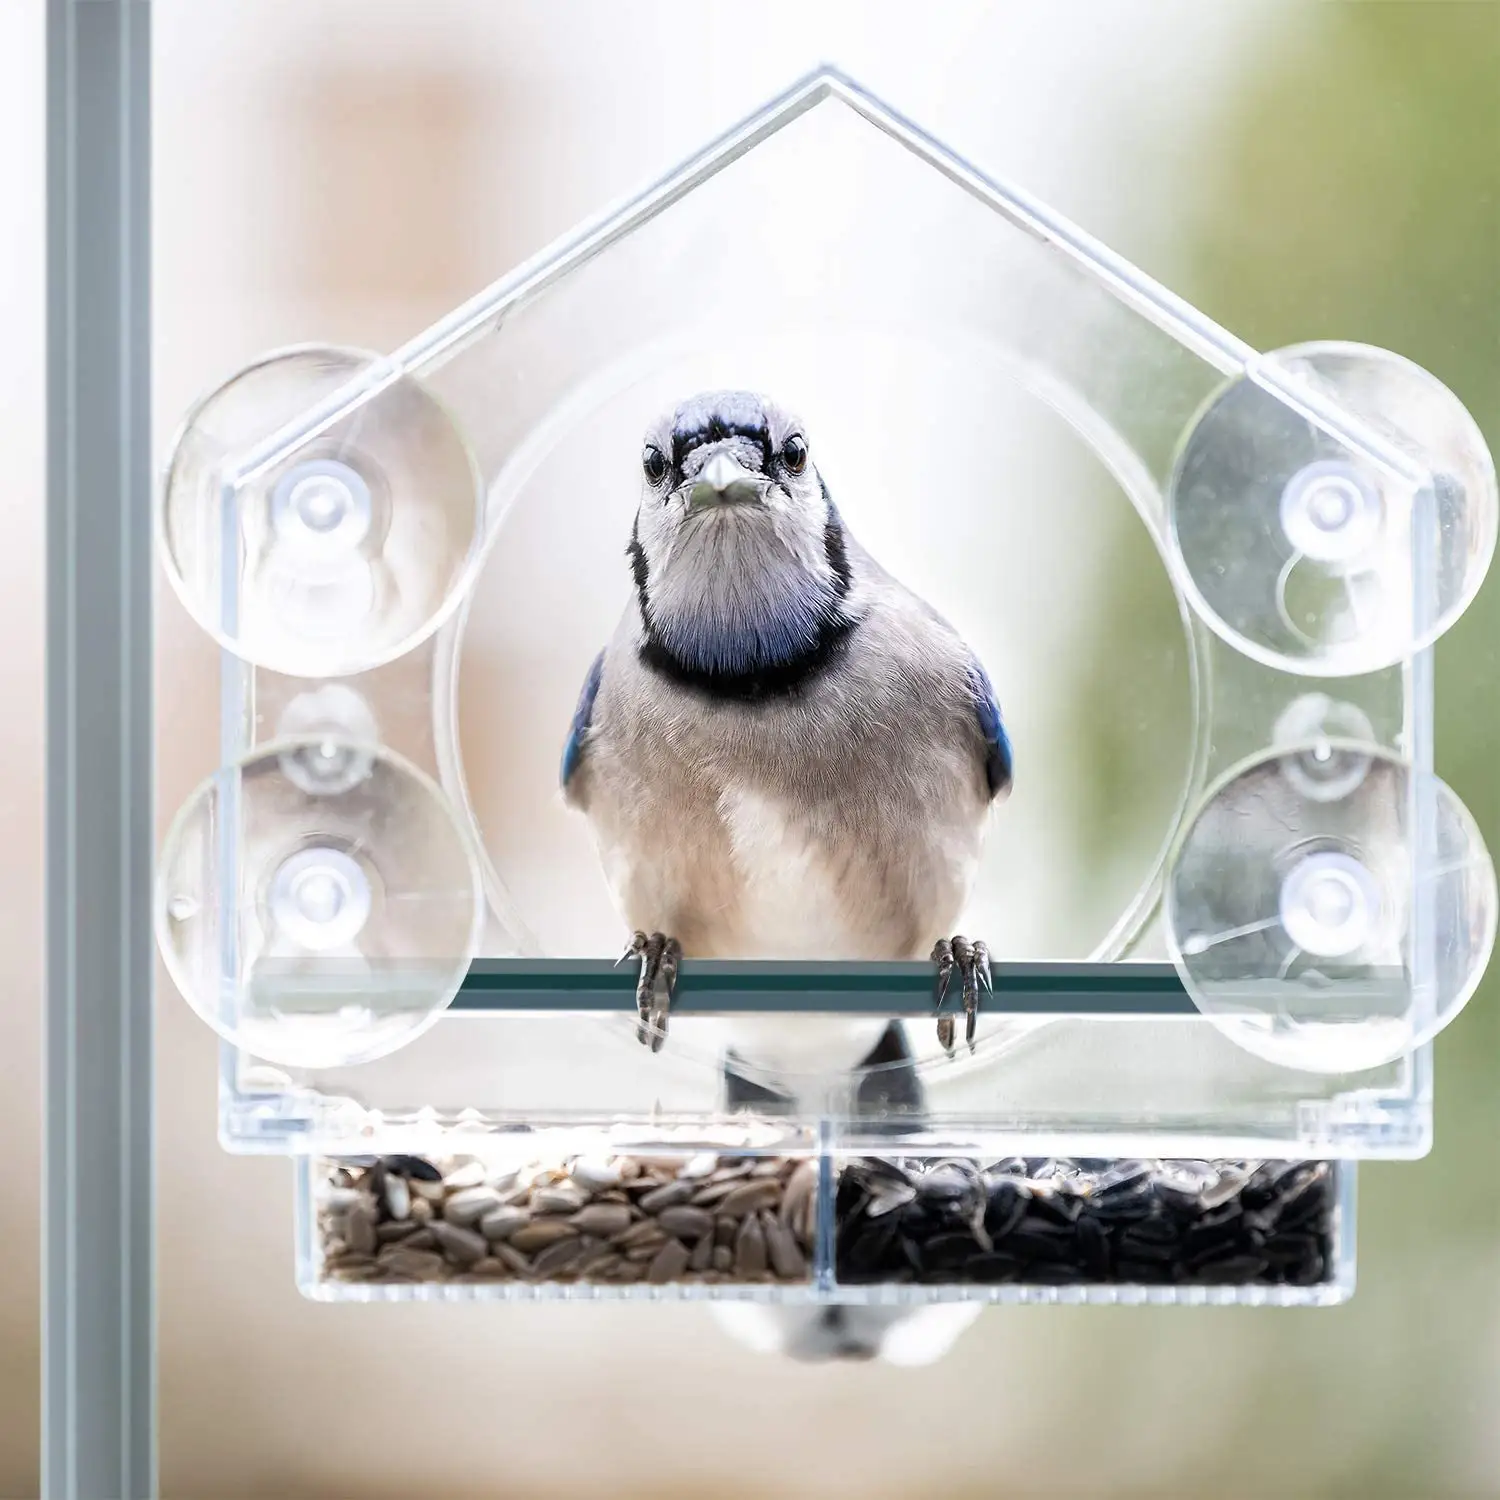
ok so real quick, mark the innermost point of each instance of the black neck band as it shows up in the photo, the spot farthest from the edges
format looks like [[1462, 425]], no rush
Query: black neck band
[[766, 679]]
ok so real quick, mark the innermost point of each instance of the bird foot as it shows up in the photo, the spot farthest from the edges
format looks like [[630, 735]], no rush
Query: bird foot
[[972, 960], [659, 956]]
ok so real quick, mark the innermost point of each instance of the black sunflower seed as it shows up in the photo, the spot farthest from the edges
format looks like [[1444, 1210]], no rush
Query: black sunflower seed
[[1155, 1231], [1005, 1210], [1231, 1269], [1133, 1247], [414, 1167], [947, 1252], [1288, 1249], [945, 1182], [1123, 1208], [1058, 1208], [1052, 1221], [1093, 1248], [992, 1267], [1037, 1243], [1308, 1271], [871, 1248]]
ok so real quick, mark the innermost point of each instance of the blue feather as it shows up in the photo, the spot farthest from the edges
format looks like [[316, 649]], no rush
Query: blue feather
[[997, 759], [782, 630], [582, 717]]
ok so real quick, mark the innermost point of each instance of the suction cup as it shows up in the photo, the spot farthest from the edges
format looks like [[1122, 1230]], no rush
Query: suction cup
[[340, 552], [1317, 556], [333, 713], [317, 903], [1330, 908]]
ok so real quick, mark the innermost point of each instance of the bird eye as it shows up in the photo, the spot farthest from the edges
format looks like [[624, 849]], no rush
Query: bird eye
[[794, 454], [655, 465]]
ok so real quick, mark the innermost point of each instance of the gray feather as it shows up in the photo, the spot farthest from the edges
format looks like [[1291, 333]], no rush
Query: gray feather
[[868, 785]]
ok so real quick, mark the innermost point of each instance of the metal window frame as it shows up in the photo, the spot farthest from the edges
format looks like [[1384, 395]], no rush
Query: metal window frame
[[99, 1332]]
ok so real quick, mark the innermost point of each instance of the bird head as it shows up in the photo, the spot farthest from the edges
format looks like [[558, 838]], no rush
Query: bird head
[[737, 550]]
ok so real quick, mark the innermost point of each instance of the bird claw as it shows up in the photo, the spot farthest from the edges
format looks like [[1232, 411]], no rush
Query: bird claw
[[972, 960], [659, 956]]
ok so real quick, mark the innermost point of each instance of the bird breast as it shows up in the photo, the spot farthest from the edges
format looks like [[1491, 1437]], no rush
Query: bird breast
[[793, 902]]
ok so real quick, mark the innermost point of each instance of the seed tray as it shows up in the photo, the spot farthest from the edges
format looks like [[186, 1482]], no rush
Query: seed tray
[[805, 1228], [1244, 951]]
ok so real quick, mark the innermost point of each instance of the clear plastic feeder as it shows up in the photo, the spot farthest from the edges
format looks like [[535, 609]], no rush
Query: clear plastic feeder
[[1234, 943]]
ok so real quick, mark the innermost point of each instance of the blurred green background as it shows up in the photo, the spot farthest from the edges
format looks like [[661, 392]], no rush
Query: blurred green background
[[1351, 189]]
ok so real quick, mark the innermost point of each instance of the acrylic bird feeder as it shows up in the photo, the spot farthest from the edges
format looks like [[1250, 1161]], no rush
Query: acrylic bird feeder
[[1216, 981]]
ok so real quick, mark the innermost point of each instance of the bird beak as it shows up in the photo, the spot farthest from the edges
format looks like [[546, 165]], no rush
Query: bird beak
[[723, 481]]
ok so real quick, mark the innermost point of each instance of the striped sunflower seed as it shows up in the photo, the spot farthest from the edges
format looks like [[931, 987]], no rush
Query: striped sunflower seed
[[671, 1261], [502, 1222], [359, 1228], [420, 1265], [513, 1258], [563, 1198], [686, 1223], [541, 1233], [602, 1218], [645, 1233], [558, 1257], [787, 1259], [667, 1195], [470, 1205], [750, 1248], [462, 1246], [397, 1229], [600, 1262], [750, 1198]]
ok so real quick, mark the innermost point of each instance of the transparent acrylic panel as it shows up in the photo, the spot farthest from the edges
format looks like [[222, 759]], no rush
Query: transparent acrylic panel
[[981, 384]]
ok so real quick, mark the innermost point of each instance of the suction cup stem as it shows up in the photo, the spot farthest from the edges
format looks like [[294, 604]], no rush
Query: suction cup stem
[[1331, 924], [1329, 905], [318, 903], [337, 548], [320, 898], [339, 725], [322, 511], [1332, 511]]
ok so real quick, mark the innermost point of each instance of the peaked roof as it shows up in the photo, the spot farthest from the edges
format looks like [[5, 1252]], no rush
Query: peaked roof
[[827, 86]]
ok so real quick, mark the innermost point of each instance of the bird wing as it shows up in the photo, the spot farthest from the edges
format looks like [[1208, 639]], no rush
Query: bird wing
[[582, 717], [997, 757]]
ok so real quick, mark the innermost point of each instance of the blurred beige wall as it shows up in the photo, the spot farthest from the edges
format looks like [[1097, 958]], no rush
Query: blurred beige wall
[[22, 459]]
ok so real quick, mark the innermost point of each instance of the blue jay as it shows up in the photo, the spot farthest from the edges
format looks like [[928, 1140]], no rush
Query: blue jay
[[782, 752]]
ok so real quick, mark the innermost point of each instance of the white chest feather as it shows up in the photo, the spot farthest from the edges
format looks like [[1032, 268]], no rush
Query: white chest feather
[[791, 904]]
